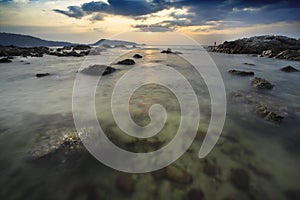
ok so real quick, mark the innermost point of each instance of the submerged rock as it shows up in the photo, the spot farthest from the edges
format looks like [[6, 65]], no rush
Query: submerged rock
[[289, 69], [176, 174], [209, 169], [240, 179], [97, 70], [126, 62], [5, 60], [137, 56], [261, 83], [241, 73], [195, 194], [39, 75], [269, 115], [125, 183], [54, 141]]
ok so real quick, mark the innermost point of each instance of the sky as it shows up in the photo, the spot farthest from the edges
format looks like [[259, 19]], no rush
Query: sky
[[87, 21]]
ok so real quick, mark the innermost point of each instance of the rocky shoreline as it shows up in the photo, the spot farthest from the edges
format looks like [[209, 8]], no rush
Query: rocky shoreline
[[280, 47]]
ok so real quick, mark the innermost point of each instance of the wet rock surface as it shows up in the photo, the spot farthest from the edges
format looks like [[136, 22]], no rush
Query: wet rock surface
[[241, 73], [126, 62], [281, 47], [240, 178], [250, 64], [97, 70], [261, 83], [289, 69]]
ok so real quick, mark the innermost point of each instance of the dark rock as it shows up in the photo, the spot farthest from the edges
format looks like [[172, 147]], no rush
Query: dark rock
[[241, 73], [289, 54], [261, 83], [272, 46], [39, 75], [240, 179], [97, 70], [178, 175], [292, 194], [126, 62], [168, 51], [81, 47], [125, 183], [5, 60], [137, 56], [289, 69], [209, 169], [195, 194], [250, 64]]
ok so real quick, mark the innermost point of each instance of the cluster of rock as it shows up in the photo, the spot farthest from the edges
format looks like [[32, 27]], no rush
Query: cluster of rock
[[75, 51], [97, 70], [281, 47]]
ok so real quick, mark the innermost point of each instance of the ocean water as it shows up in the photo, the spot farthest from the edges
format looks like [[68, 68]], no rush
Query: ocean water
[[35, 113]]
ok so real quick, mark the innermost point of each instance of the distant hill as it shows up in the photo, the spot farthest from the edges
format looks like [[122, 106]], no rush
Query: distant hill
[[28, 41], [113, 43]]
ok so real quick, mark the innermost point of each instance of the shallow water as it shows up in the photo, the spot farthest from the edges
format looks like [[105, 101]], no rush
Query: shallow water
[[34, 112]]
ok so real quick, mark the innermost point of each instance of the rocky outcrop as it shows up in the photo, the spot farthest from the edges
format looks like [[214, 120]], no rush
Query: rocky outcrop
[[75, 51], [241, 73], [5, 60], [18, 51], [272, 46], [289, 69], [97, 70], [261, 83], [126, 62]]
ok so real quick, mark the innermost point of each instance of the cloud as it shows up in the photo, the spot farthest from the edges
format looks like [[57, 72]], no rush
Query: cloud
[[73, 11], [190, 12], [152, 28]]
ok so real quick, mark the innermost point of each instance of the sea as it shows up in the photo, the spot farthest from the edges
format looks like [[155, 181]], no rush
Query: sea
[[254, 157]]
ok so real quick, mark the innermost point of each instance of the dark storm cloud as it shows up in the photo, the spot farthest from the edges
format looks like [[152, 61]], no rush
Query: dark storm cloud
[[199, 12]]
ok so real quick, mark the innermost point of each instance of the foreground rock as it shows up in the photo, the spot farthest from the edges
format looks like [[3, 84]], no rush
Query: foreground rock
[[97, 70], [289, 69], [126, 62], [168, 51], [40, 75], [241, 73], [5, 60], [261, 83], [267, 45]]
